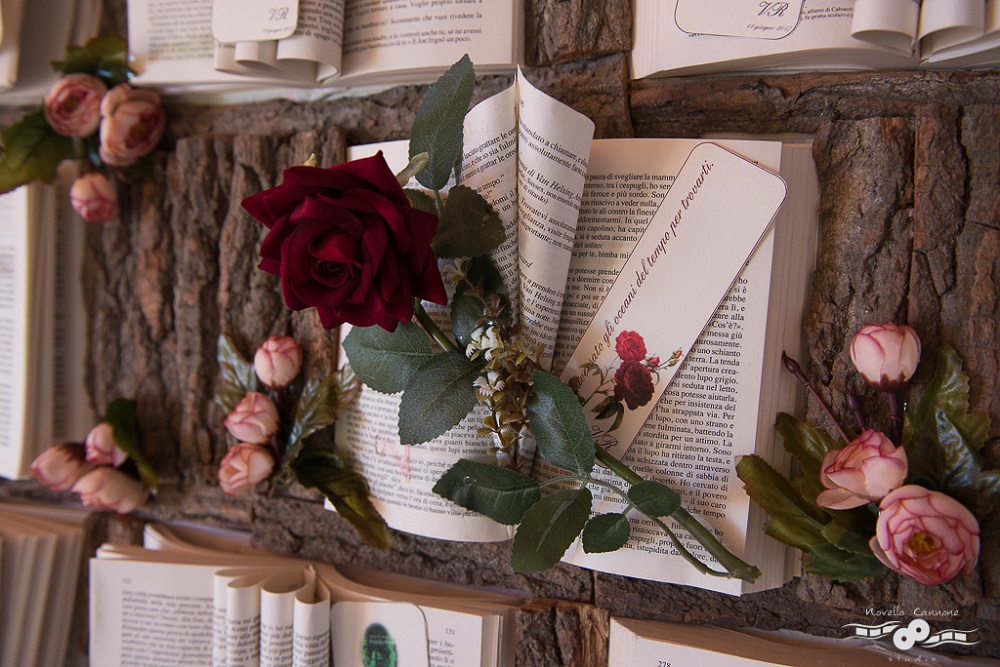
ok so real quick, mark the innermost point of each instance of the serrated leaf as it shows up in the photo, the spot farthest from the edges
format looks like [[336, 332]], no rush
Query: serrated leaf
[[807, 443], [439, 123], [386, 361], [347, 491], [104, 57], [776, 495], [236, 375], [469, 226], [851, 531], [437, 398], [315, 409], [654, 499], [560, 428], [499, 493], [32, 150], [548, 528], [420, 200], [121, 414], [833, 563], [466, 312], [605, 532]]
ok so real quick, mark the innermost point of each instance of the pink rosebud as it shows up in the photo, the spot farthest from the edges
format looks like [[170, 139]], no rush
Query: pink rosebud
[[278, 361], [110, 489], [254, 419], [58, 468], [245, 466], [102, 450], [94, 198], [886, 355], [865, 470], [926, 535], [654, 362], [132, 124], [73, 106]]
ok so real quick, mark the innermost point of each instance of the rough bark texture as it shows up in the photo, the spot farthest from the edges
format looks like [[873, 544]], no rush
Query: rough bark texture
[[909, 164]]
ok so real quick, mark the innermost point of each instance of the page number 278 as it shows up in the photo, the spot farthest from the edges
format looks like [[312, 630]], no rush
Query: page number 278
[[662, 663]]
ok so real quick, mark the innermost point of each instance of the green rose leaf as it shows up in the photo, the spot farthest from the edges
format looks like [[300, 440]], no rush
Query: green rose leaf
[[439, 124], [605, 532], [469, 226], [120, 413], [548, 528], [501, 494], [420, 200], [315, 409], [559, 425], [104, 57], [236, 375], [851, 534], [437, 398], [466, 312], [807, 443], [800, 519], [654, 498], [32, 151], [347, 491], [386, 361], [833, 563]]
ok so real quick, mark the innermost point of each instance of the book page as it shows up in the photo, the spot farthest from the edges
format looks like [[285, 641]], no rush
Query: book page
[[708, 415], [393, 37], [311, 628], [821, 40], [890, 22], [278, 597], [946, 23], [980, 52], [373, 633], [243, 622]]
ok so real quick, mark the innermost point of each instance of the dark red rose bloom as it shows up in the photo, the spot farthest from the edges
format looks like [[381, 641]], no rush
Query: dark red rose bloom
[[346, 241], [630, 346], [633, 384]]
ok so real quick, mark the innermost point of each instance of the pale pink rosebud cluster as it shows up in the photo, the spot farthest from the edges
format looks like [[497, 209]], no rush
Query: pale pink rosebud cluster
[[110, 489], [73, 105], [102, 450], [254, 419], [925, 535], [277, 361], [864, 471], [94, 197], [886, 355], [245, 466], [58, 468], [132, 124]]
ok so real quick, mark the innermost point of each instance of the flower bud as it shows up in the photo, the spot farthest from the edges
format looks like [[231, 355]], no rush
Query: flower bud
[[133, 123], [58, 468], [245, 466], [886, 355], [277, 361], [110, 489], [254, 419], [94, 197], [102, 450], [865, 470], [73, 105]]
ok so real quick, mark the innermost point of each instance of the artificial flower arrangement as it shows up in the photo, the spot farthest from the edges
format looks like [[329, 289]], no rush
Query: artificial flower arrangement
[[349, 241], [93, 115], [909, 500], [107, 470]]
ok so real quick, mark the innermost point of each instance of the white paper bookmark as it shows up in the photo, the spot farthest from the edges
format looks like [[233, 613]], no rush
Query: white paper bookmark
[[253, 20], [738, 18]]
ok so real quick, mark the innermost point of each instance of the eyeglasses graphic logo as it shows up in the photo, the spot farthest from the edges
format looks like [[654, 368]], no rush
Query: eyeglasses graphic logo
[[916, 633]]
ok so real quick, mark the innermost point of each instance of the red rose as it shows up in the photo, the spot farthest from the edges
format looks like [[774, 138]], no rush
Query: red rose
[[346, 241], [630, 346], [633, 384]]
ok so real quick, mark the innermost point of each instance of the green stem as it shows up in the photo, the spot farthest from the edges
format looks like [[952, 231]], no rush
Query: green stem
[[431, 328], [734, 565]]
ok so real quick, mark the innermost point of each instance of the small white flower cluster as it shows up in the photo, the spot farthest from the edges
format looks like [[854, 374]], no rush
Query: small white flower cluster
[[485, 342], [490, 383]]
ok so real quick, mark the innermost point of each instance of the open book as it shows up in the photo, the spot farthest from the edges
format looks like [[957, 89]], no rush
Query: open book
[[681, 37], [198, 44], [33, 33], [42, 351], [201, 598], [575, 210]]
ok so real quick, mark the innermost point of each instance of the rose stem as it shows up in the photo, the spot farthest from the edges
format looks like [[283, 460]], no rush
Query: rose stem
[[736, 567], [894, 416], [855, 407], [793, 367], [430, 327]]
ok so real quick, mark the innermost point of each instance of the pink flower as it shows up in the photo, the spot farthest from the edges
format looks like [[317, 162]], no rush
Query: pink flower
[[94, 198], [865, 470], [73, 106], [926, 535], [244, 466], [102, 450], [278, 361], [254, 419], [886, 355], [630, 346], [132, 124], [110, 489], [58, 468]]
